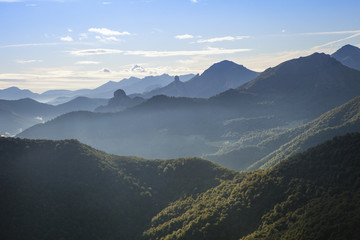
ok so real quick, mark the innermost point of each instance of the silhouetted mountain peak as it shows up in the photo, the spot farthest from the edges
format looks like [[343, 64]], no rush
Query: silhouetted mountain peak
[[348, 48], [348, 55], [119, 94], [119, 102], [307, 78], [222, 66], [177, 79]]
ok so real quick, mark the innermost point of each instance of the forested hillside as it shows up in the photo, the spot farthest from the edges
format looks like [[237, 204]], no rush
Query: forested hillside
[[313, 195], [67, 190]]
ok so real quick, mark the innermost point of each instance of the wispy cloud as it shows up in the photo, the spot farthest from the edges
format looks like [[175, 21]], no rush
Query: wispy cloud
[[89, 52], [66, 39], [221, 39], [184, 36], [87, 62], [106, 3], [331, 33], [107, 32], [29, 61], [194, 1], [83, 36], [108, 39], [336, 41], [208, 51], [29, 45]]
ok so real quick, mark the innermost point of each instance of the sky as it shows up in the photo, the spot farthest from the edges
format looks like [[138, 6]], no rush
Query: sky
[[75, 44]]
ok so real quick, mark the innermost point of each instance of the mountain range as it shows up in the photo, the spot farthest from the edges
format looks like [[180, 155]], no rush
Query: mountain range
[[296, 91], [130, 86], [67, 190], [17, 115], [248, 156], [216, 79], [284, 150]]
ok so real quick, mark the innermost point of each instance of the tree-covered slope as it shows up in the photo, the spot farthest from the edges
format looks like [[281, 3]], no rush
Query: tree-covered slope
[[338, 121], [313, 195], [67, 190]]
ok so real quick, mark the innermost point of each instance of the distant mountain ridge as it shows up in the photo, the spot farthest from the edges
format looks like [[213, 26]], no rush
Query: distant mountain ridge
[[17, 115], [216, 79], [119, 102], [130, 86], [298, 90], [349, 56]]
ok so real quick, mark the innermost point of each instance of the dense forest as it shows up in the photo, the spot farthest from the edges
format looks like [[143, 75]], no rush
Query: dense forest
[[313, 195], [67, 190]]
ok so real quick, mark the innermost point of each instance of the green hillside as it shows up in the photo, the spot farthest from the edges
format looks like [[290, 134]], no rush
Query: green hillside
[[67, 190], [278, 146], [313, 195]]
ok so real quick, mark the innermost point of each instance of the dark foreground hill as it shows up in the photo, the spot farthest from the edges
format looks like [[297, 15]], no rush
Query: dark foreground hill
[[313, 195], [67, 190]]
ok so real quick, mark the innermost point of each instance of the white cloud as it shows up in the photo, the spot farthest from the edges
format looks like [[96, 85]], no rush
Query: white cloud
[[29, 45], [87, 62], [106, 3], [107, 32], [29, 61], [220, 39], [70, 30], [105, 70], [208, 51], [137, 68], [31, 5], [185, 36], [66, 39], [108, 39], [83, 36], [99, 51], [194, 1], [331, 33]]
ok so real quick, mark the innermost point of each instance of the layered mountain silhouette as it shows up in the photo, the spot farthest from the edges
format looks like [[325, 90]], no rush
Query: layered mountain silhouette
[[14, 93], [166, 127], [119, 102], [17, 115], [339, 121], [67, 190], [218, 78], [130, 85], [349, 56]]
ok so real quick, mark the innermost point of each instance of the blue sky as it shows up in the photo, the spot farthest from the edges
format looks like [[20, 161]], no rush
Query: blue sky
[[74, 44]]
